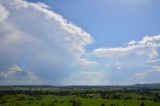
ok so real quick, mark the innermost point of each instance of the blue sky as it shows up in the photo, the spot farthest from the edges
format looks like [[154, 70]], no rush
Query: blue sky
[[111, 22], [79, 42]]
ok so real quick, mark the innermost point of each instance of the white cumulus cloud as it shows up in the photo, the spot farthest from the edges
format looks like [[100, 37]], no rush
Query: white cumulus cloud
[[3, 13], [125, 64], [146, 47]]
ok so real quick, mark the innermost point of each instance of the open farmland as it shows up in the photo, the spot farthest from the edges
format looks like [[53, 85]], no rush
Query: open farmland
[[136, 95]]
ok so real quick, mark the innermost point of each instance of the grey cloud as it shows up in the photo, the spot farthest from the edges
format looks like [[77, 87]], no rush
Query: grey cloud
[[16, 75]]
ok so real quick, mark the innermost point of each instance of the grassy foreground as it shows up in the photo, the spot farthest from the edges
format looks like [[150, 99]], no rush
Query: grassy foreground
[[51, 100], [79, 96]]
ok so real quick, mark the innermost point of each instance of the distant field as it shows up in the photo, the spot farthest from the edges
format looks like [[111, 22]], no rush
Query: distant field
[[78, 96]]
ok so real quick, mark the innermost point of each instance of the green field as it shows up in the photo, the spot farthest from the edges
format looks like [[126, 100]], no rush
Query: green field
[[27, 96], [51, 100]]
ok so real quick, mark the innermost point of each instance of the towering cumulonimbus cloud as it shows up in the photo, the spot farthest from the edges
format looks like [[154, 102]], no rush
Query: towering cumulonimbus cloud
[[39, 42]]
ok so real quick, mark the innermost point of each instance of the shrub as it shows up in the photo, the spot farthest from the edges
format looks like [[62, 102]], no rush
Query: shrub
[[76, 102], [102, 104], [155, 99], [142, 104], [143, 98], [42, 104], [30, 98], [39, 98], [112, 104], [29, 103], [1, 95], [128, 98], [3, 101], [52, 104], [21, 98]]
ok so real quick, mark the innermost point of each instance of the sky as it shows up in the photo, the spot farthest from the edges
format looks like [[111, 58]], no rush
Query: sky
[[79, 42]]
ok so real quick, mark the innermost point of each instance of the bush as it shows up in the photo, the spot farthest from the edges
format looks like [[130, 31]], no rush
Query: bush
[[42, 104], [1, 95], [21, 99], [142, 104], [76, 102], [3, 101], [143, 98], [128, 98], [112, 104], [39, 98], [155, 100], [29, 103], [52, 104], [31, 98], [102, 104]]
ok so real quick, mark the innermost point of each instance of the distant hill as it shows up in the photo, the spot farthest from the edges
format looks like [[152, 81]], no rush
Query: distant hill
[[155, 86]]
